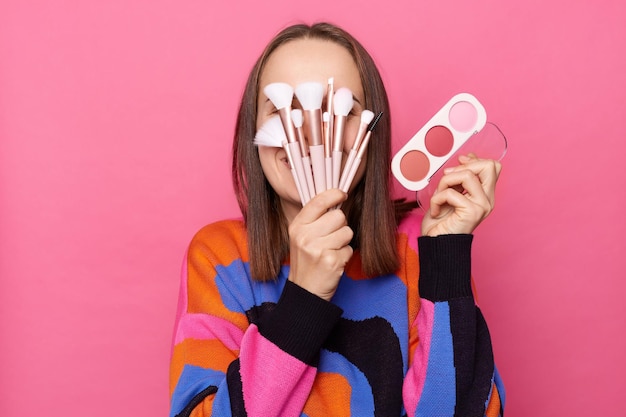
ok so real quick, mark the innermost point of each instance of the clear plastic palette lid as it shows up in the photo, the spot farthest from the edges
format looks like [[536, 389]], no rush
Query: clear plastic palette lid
[[488, 143]]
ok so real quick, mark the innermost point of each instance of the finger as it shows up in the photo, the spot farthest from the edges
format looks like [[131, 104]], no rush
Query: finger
[[318, 233], [345, 253], [485, 164], [446, 201], [329, 223], [335, 260], [338, 239], [468, 182], [463, 159], [341, 256], [461, 180], [475, 164], [474, 191], [320, 204], [487, 171], [450, 200], [439, 208]]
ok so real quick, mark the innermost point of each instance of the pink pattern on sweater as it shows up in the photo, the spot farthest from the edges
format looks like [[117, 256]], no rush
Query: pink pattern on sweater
[[206, 327], [416, 376], [202, 326], [274, 383]]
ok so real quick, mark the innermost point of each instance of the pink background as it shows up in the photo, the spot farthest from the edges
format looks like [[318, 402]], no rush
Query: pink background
[[116, 120]]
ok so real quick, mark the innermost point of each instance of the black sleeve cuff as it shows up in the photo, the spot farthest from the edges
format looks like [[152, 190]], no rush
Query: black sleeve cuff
[[445, 267], [300, 323]]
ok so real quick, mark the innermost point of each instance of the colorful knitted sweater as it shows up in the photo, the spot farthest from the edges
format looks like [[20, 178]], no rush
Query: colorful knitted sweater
[[390, 345]]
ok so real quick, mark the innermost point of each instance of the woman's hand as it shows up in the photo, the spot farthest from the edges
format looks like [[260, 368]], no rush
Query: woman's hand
[[318, 240], [464, 197]]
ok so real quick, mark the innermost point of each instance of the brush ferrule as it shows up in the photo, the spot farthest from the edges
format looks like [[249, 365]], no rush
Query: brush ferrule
[[290, 130], [304, 149], [330, 93], [338, 134], [313, 122]]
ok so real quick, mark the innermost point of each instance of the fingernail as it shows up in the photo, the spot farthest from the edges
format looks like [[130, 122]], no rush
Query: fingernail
[[448, 170]]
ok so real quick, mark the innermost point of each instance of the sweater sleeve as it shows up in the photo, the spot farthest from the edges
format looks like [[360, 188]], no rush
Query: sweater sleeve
[[453, 371], [225, 364]]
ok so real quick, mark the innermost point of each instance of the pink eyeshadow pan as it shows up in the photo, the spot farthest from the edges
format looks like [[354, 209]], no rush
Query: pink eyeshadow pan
[[439, 140], [415, 165], [463, 116]]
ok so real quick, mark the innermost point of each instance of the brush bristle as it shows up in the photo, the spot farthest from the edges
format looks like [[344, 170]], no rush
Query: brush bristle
[[296, 117], [280, 94], [325, 116], [367, 116], [374, 122], [310, 95], [343, 101], [271, 133]]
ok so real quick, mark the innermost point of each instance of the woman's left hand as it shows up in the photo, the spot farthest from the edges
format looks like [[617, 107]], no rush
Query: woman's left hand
[[464, 197]]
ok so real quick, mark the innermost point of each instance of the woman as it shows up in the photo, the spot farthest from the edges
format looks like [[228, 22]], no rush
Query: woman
[[318, 312]]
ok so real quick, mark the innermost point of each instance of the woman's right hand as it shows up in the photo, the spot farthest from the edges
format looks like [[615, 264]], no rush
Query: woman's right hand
[[318, 241]]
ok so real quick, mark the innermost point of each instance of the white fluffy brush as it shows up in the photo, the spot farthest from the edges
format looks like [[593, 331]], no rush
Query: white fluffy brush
[[296, 116], [310, 95], [271, 133], [342, 102], [281, 95]]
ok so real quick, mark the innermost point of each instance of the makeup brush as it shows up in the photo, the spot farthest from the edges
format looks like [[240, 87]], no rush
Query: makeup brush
[[290, 158], [296, 116], [330, 93], [328, 154], [360, 153], [328, 131], [366, 118], [343, 102], [281, 95], [272, 134], [298, 120], [310, 96]]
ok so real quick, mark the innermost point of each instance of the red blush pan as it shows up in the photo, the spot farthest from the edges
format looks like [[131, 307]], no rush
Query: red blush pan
[[437, 141], [415, 165]]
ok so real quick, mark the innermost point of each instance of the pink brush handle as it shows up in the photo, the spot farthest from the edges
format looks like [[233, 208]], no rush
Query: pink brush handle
[[337, 156], [294, 147], [287, 149], [295, 178], [306, 163], [346, 168], [319, 170], [351, 174], [329, 172]]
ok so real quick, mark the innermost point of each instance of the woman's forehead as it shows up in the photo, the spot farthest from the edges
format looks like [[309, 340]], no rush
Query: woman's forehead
[[304, 60]]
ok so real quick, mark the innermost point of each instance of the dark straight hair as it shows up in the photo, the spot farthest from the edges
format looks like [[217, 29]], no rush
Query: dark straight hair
[[370, 210]]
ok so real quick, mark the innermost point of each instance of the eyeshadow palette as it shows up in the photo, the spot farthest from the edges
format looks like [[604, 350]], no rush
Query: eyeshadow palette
[[438, 140]]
